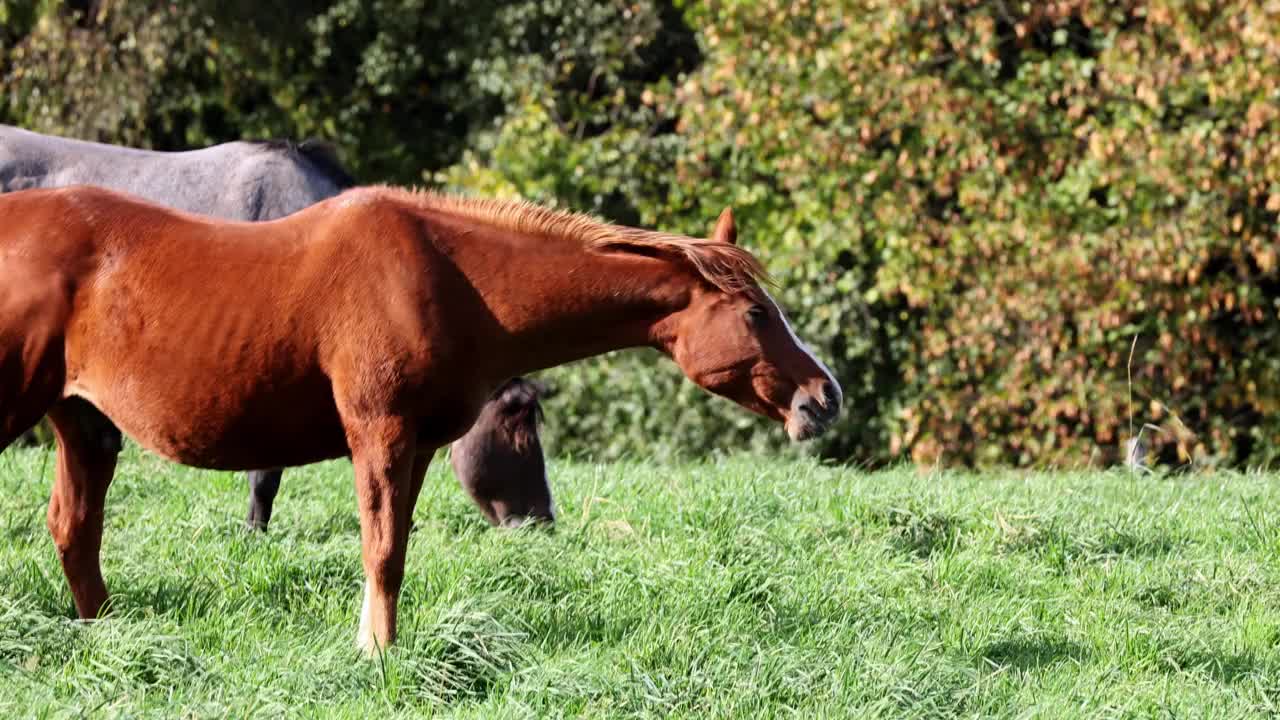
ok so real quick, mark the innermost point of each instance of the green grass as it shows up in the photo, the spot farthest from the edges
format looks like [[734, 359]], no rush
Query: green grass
[[743, 588]]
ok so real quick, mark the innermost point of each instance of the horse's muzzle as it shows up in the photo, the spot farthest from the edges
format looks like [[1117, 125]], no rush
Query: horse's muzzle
[[811, 415]]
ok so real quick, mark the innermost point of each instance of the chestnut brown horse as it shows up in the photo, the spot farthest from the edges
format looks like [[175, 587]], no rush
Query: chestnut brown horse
[[374, 325]]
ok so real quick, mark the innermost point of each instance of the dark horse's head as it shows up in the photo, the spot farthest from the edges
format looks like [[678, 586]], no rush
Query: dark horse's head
[[499, 461], [735, 341]]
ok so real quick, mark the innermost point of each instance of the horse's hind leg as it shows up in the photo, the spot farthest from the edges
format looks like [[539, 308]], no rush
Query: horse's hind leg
[[263, 486], [88, 444], [30, 382], [33, 315]]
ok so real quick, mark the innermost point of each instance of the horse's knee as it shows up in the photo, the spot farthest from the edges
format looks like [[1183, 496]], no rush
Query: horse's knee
[[57, 523], [67, 521]]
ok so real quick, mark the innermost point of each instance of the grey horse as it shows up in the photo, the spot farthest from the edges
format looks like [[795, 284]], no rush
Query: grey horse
[[247, 180], [236, 180]]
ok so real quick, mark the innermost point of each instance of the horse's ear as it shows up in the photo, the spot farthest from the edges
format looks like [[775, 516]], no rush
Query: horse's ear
[[725, 231]]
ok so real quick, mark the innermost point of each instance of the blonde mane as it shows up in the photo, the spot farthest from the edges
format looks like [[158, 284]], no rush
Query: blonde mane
[[726, 266]]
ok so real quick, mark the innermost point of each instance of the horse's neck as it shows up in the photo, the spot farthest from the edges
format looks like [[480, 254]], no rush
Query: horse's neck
[[607, 303], [567, 303]]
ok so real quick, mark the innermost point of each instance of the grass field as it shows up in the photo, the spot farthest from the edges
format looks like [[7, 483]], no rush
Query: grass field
[[740, 588]]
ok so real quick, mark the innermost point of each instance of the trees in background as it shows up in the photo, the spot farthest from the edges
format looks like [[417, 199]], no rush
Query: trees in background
[[973, 207]]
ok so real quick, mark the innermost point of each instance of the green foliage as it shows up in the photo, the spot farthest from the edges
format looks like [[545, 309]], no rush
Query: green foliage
[[972, 207], [1057, 179], [398, 85]]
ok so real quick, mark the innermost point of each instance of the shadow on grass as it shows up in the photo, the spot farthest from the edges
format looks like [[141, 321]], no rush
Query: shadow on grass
[[464, 655], [1166, 596], [1115, 541], [166, 596], [1224, 667], [1061, 546], [43, 585], [1030, 653], [922, 533], [25, 525]]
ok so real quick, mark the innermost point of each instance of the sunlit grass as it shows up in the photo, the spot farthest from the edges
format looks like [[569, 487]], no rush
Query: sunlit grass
[[744, 587]]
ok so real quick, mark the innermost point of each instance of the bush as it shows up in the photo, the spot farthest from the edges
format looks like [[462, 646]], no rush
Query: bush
[[974, 209]]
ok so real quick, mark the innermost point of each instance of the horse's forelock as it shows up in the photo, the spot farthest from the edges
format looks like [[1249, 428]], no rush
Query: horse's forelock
[[519, 412]]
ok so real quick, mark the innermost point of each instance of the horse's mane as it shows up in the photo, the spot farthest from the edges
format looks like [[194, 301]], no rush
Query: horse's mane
[[724, 265], [323, 155]]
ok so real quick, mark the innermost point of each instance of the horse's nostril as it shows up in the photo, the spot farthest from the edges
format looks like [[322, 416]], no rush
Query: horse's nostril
[[813, 407], [830, 395]]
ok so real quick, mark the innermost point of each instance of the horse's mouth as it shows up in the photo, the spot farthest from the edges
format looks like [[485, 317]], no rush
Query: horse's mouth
[[517, 521], [804, 424]]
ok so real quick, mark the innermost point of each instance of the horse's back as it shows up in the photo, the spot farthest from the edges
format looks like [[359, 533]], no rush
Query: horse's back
[[201, 337], [32, 160], [220, 343]]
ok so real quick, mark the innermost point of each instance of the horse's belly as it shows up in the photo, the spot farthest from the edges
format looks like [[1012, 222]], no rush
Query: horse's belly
[[223, 428]]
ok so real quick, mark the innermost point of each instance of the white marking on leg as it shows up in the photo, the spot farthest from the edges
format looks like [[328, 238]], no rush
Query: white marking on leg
[[365, 639]]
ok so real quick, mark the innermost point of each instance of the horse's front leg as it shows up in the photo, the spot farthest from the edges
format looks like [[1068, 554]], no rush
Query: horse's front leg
[[383, 457]]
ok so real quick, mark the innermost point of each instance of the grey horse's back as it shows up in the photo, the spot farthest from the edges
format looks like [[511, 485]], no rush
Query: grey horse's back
[[278, 177], [242, 180]]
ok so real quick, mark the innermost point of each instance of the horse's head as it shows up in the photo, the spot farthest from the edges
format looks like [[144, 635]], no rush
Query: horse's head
[[735, 341], [499, 461]]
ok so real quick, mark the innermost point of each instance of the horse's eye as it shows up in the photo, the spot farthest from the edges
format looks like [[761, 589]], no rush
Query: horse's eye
[[757, 314]]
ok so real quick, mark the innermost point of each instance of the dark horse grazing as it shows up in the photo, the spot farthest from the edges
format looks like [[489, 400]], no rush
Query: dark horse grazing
[[375, 324], [236, 181], [499, 461]]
